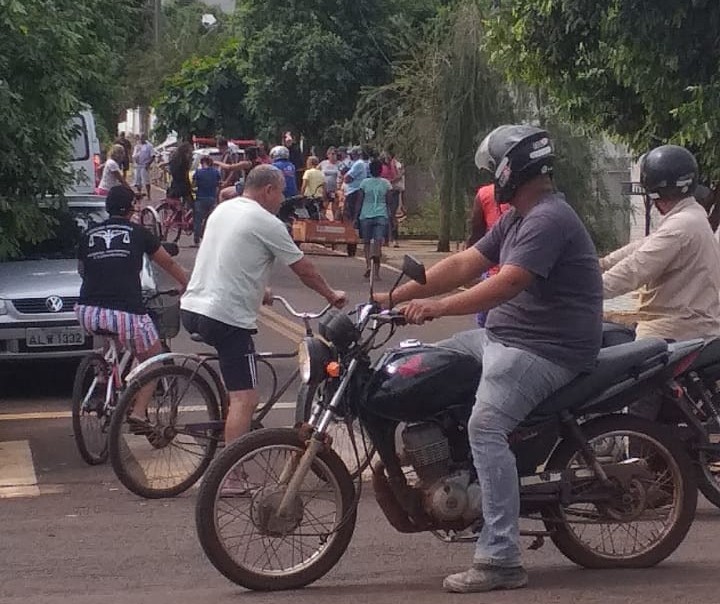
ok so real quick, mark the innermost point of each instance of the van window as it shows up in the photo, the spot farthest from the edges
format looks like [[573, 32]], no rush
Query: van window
[[80, 146]]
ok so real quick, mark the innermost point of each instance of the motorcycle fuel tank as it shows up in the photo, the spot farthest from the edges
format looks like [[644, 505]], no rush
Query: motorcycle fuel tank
[[417, 381]]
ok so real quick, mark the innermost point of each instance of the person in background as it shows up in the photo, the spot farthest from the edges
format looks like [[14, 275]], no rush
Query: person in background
[[486, 212], [374, 198], [112, 175], [389, 173], [313, 180], [228, 157], [296, 156], [229, 283], [262, 154], [353, 179], [331, 171], [239, 170], [280, 156], [127, 146], [179, 168], [398, 206], [110, 259], [143, 156], [207, 180]]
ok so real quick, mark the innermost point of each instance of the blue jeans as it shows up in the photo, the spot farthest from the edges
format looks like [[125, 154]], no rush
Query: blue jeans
[[373, 229], [513, 383], [201, 210]]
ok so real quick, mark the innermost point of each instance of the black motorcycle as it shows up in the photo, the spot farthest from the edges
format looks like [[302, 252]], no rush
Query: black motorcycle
[[299, 207], [277, 508], [690, 405]]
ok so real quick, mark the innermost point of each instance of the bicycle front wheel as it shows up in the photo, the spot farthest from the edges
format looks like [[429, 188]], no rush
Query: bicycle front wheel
[[90, 414], [170, 452]]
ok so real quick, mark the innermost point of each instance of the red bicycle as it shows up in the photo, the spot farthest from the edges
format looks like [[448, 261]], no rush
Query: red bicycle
[[175, 217]]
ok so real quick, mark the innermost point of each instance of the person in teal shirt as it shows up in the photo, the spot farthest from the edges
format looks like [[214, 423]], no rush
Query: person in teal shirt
[[374, 197]]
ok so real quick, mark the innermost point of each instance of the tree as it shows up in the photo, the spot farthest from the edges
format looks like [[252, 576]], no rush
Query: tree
[[644, 71], [306, 62], [50, 60], [181, 37], [443, 97], [206, 97]]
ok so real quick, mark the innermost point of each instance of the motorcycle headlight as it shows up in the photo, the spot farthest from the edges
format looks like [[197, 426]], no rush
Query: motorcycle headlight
[[313, 357]]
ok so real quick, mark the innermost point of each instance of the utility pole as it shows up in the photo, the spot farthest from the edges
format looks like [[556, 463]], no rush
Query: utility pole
[[156, 23]]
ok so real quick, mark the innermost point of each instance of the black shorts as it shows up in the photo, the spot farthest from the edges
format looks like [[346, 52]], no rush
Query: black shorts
[[235, 347]]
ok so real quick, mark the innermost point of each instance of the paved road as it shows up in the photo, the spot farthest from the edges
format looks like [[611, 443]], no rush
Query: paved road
[[75, 535]]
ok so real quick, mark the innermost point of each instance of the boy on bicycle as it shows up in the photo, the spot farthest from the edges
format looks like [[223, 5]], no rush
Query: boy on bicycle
[[110, 259]]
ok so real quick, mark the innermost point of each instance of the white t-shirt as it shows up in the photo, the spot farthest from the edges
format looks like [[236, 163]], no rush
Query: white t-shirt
[[232, 268], [330, 172], [110, 176]]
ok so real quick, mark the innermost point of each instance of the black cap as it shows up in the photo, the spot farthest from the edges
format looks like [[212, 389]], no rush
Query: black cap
[[119, 201]]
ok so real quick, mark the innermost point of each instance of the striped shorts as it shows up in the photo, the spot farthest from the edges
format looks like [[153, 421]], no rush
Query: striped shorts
[[136, 332]]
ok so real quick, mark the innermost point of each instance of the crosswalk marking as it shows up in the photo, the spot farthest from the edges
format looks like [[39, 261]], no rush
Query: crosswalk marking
[[17, 470]]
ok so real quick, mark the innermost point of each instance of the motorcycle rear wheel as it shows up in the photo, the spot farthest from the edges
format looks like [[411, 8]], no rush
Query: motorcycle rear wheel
[[674, 487], [237, 521]]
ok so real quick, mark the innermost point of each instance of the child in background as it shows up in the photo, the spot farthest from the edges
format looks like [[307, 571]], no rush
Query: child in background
[[313, 180], [207, 180]]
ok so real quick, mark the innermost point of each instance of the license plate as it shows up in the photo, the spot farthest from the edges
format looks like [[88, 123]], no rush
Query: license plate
[[54, 336]]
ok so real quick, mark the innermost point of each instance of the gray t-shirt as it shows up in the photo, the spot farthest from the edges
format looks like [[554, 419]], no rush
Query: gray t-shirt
[[559, 316]]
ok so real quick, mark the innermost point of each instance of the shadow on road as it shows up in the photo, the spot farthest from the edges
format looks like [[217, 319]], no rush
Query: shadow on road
[[37, 379]]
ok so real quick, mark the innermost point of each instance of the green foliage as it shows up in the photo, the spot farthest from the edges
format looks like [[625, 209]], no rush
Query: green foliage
[[181, 37], [443, 98], [206, 98], [645, 71]]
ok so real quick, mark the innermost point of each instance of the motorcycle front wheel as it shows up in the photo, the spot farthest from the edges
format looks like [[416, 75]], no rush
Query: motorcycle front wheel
[[652, 501], [237, 517]]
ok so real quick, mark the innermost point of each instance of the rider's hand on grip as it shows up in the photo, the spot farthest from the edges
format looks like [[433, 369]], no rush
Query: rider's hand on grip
[[418, 311], [338, 298]]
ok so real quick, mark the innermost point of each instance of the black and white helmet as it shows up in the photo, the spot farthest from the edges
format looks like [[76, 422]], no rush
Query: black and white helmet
[[279, 152], [514, 154], [668, 171]]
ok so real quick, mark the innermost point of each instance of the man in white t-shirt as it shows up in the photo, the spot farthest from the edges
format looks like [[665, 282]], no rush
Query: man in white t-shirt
[[243, 238], [143, 156]]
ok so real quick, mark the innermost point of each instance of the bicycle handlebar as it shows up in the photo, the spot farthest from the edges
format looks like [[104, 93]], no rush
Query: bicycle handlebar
[[301, 315]]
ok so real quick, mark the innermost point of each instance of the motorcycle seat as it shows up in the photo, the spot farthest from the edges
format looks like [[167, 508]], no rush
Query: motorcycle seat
[[613, 365], [709, 355]]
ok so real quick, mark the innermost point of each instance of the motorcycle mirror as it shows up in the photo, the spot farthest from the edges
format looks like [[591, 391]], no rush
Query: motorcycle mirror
[[171, 248], [414, 269]]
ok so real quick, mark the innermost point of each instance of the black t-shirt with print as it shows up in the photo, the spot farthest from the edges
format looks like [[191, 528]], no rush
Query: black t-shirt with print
[[112, 256]]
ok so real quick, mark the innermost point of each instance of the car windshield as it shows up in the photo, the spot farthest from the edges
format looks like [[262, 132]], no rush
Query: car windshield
[[70, 223]]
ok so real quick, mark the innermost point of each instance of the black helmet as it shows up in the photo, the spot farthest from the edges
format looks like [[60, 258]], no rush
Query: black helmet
[[668, 171], [514, 154]]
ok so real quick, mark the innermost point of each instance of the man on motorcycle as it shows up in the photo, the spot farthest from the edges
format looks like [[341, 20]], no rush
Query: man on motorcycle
[[678, 265], [280, 156], [543, 328]]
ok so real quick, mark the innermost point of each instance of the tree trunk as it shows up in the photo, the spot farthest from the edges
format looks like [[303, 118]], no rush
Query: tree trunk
[[445, 222]]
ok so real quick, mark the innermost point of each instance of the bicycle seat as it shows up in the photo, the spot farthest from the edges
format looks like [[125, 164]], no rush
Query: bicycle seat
[[196, 337]]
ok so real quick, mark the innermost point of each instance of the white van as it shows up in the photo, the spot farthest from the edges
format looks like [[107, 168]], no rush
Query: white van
[[85, 159]]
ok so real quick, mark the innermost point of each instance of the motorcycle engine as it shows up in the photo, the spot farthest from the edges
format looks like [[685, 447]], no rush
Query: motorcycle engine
[[448, 497]]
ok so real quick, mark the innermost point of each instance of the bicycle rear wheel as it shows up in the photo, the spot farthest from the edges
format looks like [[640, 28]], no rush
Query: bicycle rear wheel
[[169, 221], [90, 416], [166, 457]]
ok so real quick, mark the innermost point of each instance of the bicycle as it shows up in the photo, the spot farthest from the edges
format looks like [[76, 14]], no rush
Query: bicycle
[[175, 217], [99, 380], [173, 457]]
